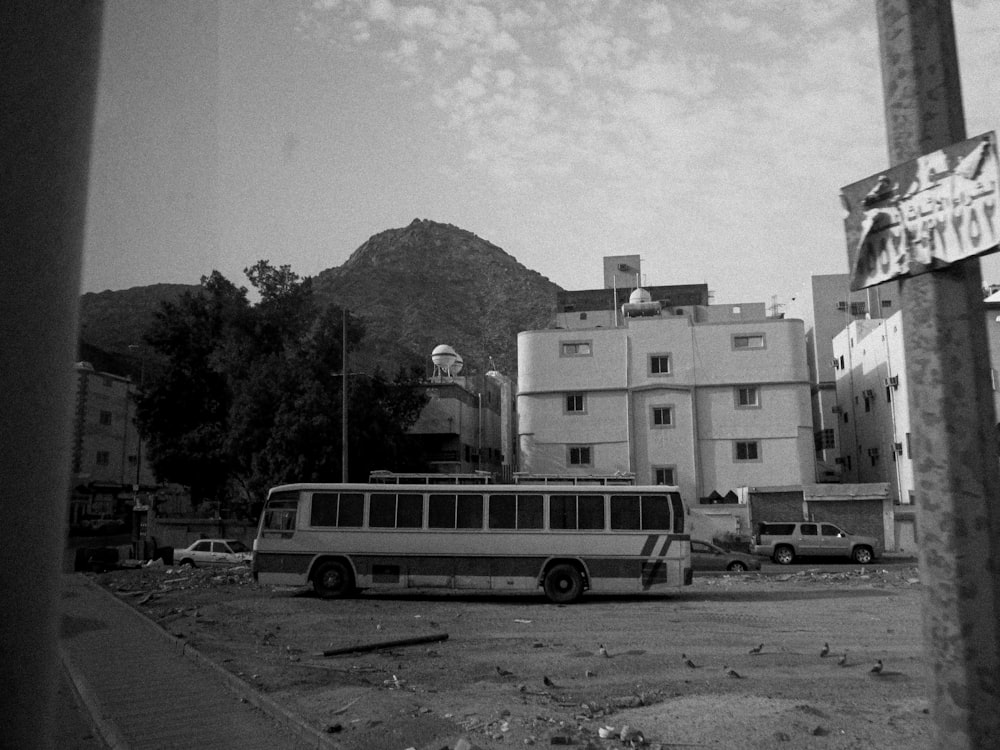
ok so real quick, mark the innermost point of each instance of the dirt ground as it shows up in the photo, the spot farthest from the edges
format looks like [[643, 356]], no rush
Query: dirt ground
[[519, 671]]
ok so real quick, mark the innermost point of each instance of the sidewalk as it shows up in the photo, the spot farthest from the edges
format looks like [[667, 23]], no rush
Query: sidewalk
[[144, 688]]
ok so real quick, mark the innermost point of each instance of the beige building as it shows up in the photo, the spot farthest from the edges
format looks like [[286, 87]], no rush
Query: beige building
[[468, 422], [708, 397], [107, 462]]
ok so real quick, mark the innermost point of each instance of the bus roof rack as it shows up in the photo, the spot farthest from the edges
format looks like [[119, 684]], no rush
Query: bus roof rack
[[622, 478], [382, 476]]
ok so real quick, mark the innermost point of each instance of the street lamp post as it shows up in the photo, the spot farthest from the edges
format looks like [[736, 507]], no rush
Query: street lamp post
[[138, 430]]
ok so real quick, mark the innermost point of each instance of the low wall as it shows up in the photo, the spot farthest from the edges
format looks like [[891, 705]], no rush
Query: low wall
[[180, 532]]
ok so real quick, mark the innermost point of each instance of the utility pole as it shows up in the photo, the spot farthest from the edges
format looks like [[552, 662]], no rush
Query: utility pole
[[952, 420], [343, 402]]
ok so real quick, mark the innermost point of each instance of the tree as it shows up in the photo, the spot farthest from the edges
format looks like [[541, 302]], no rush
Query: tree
[[251, 394]]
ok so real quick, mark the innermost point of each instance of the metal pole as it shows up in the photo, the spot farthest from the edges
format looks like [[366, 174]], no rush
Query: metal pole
[[343, 402], [952, 421]]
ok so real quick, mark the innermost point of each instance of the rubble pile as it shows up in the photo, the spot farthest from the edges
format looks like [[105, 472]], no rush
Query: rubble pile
[[158, 577]]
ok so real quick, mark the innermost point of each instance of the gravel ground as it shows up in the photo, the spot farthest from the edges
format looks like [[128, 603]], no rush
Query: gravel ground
[[513, 671]]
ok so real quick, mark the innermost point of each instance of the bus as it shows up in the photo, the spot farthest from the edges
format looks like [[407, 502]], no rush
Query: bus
[[564, 540]]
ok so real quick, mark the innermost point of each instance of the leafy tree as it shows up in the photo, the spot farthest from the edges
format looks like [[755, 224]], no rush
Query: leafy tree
[[251, 393]]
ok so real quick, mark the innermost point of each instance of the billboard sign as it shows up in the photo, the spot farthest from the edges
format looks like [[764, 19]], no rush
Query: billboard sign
[[924, 214]]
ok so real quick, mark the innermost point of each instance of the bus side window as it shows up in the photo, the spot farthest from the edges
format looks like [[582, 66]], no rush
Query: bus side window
[[503, 512], [351, 510], [409, 511], [530, 512], [324, 509], [562, 511], [655, 512], [441, 512], [470, 512], [591, 513], [279, 519], [625, 512]]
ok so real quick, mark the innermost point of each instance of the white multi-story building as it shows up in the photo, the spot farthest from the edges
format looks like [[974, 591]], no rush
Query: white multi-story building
[[707, 397], [872, 408], [826, 305]]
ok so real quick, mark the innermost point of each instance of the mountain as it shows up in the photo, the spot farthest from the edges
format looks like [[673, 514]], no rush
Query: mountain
[[112, 321], [414, 287], [430, 283]]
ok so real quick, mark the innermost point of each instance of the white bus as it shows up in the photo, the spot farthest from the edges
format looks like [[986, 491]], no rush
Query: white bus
[[564, 539]]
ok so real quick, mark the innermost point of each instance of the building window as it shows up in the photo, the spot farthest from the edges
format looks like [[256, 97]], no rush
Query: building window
[[575, 349], [749, 341], [576, 403], [825, 439], [105, 417], [583, 316], [887, 303], [103, 458], [664, 475], [748, 397], [659, 364], [581, 455], [663, 416], [859, 308], [909, 453], [747, 450], [873, 455]]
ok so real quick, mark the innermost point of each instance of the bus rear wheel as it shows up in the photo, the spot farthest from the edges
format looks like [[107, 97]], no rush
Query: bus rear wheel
[[332, 579], [563, 584]]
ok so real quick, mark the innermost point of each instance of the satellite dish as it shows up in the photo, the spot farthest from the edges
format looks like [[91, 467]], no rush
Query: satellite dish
[[457, 365]]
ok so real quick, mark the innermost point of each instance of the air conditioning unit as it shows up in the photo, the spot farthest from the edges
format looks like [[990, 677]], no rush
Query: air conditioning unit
[[898, 448], [623, 266], [835, 363], [841, 305], [873, 451], [892, 381], [868, 393], [839, 460], [836, 409]]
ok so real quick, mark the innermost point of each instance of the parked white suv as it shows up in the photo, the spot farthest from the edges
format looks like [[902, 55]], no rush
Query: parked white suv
[[784, 541]]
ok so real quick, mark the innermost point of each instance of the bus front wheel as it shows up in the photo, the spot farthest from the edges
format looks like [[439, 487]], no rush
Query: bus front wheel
[[332, 579], [563, 584]]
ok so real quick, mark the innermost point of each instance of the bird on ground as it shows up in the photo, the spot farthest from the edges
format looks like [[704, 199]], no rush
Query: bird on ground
[[842, 661], [757, 649], [601, 651], [688, 662], [877, 669], [732, 673], [825, 651], [504, 672], [547, 682]]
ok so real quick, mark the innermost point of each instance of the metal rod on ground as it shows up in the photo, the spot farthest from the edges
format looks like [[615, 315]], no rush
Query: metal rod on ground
[[386, 644], [952, 420]]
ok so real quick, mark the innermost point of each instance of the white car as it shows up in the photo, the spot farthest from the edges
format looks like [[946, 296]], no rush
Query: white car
[[214, 552]]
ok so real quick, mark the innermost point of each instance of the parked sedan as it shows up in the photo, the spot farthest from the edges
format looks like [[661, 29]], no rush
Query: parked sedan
[[214, 552], [706, 556]]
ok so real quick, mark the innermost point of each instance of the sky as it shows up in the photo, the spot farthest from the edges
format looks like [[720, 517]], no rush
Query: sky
[[709, 137]]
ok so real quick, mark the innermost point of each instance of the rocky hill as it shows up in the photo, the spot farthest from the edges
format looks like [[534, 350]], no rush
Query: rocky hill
[[428, 284], [415, 287]]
